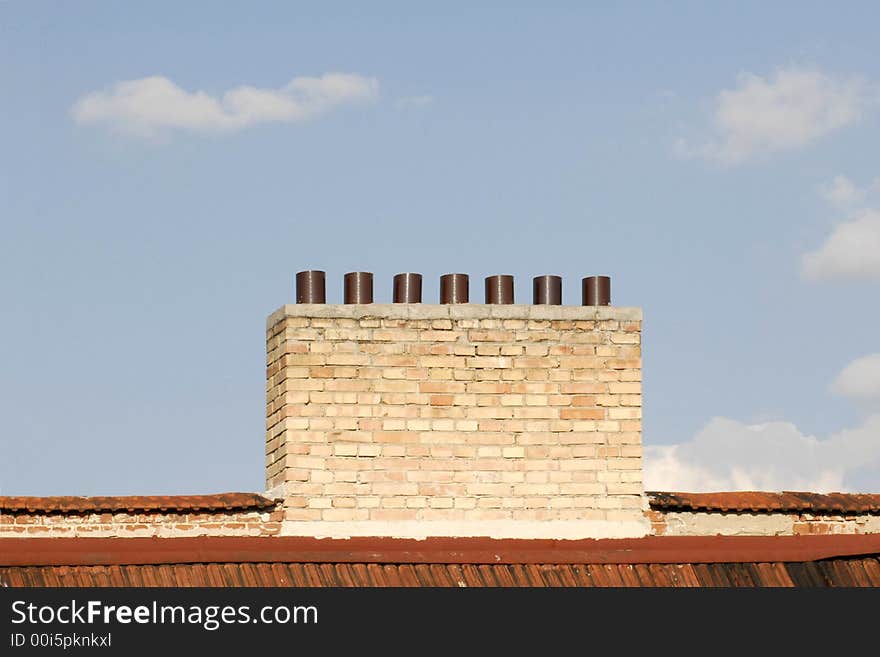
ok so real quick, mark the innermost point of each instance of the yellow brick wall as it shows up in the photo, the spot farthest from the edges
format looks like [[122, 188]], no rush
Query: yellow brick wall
[[455, 413]]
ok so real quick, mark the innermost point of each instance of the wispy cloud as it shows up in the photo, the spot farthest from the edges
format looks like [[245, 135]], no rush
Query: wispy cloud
[[408, 102], [786, 111], [860, 380], [844, 193], [851, 252], [772, 456], [841, 191], [156, 105]]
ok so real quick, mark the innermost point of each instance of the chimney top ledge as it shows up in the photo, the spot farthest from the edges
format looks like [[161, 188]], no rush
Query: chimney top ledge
[[454, 311]]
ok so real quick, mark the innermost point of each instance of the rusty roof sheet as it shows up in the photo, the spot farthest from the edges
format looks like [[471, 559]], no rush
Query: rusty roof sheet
[[728, 561], [60, 551], [136, 503], [762, 502], [842, 572]]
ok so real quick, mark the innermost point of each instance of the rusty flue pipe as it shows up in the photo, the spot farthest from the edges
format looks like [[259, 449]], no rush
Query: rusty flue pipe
[[310, 287], [596, 290], [454, 288], [359, 287], [547, 290], [408, 288], [499, 289]]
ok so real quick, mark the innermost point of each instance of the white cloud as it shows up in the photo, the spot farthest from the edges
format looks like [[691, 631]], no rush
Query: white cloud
[[851, 252], [841, 191], [153, 105], [860, 380], [789, 110], [414, 101], [727, 455]]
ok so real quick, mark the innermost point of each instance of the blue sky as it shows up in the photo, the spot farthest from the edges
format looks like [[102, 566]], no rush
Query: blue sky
[[167, 168]]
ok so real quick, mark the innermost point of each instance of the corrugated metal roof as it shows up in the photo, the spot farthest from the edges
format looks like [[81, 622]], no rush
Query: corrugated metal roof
[[135, 503], [757, 501], [830, 573]]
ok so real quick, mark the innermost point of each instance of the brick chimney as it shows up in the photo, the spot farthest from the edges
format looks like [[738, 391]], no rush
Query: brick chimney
[[415, 420]]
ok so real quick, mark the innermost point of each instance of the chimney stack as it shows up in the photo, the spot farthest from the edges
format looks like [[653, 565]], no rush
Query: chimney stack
[[455, 419]]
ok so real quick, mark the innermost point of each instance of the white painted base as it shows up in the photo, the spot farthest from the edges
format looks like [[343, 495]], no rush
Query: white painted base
[[568, 530]]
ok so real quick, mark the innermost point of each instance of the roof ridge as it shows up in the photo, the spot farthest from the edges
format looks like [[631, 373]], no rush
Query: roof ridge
[[765, 501], [121, 503]]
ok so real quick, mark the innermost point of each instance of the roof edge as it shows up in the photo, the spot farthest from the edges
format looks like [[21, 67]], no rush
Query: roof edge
[[216, 502], [766, 502], [225, 549]]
